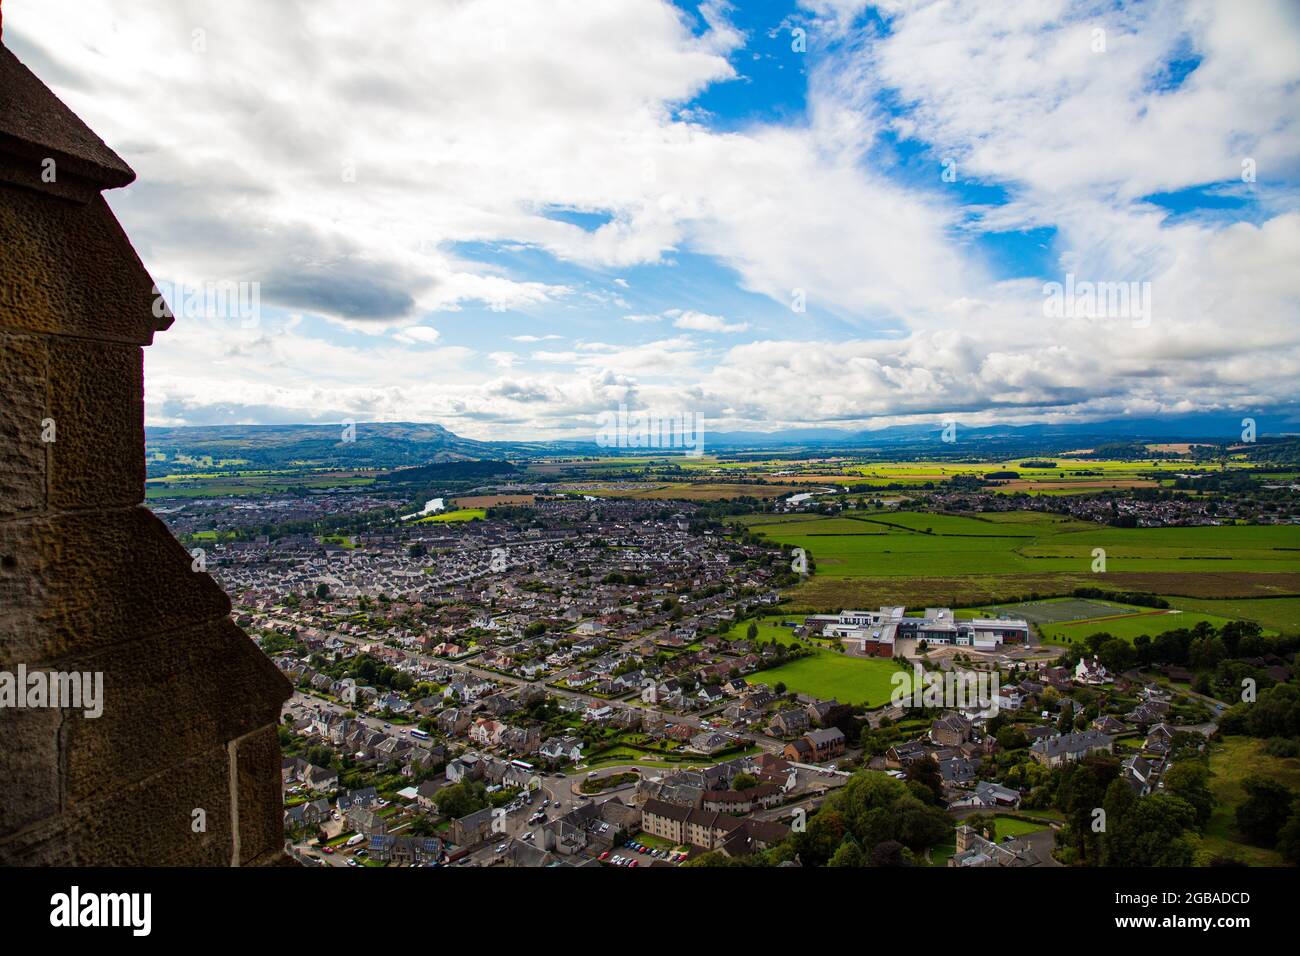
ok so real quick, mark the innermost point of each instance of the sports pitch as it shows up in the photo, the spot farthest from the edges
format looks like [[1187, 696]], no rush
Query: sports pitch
[[827, 674]]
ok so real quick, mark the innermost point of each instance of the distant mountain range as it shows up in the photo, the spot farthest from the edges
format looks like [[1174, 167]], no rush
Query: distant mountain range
[[401, 444], [363, 445], [1182, 428]]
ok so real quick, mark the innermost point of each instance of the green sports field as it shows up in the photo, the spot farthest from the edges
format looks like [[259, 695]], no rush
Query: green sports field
[[1071, 620], [1148, 621], [850, 680]]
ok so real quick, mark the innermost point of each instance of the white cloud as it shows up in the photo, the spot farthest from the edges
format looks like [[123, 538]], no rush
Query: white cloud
[[465, 124], [703, 322], [423, 334]]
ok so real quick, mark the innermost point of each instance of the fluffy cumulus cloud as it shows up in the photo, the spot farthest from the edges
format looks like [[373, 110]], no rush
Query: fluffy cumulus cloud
[[461, 212]]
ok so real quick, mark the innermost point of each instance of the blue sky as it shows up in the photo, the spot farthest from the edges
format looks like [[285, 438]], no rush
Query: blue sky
[[830, 212]]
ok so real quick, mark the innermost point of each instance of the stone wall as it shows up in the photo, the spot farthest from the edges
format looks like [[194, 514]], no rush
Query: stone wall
[[90, 580]]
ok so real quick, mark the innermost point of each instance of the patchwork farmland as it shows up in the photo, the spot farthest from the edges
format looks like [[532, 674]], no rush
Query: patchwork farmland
[[921, 558]]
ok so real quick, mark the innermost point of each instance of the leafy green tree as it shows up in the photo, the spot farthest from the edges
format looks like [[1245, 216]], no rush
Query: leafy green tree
[[1065, 723], [1081, 788], [461, 799], [1152, 833], [848, 854], [1265, 811], [920, 825], [1118, 803], [1288, 839], [890, 853], [1205, 653], [825, 831], [926, 774], [1012, 738], [1191, 781]]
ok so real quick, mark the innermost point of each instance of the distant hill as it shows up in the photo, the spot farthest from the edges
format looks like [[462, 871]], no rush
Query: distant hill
[[454, 471], [368, 445], [408, 444], [1216, 428]]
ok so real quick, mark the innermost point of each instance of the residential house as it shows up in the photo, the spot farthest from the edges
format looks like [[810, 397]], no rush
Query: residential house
[[1068, 748], [950, 730], [789, 723], [973, 849]]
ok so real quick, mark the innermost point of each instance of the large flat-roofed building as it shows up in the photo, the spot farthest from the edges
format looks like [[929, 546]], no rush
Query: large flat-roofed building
[[938, 625], [876, 633], [872, 633]]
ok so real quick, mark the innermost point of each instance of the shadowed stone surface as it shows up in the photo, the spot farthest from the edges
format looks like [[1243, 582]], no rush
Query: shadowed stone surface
[[146, 824], [259, 783], [94, 459], [23, 373], [91, 581], [84, 580], [29, 767], [164, 675], [107, 297]]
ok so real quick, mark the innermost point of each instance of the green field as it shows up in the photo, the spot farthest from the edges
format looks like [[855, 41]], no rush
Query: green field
[[1278, 614], [252, 482], [464, 514], [769, 628], [1012, 827], [1231, 762], [1053, 610], [826, 674], [912, 543], [1070, 620], [1146, 621], [918, 559]]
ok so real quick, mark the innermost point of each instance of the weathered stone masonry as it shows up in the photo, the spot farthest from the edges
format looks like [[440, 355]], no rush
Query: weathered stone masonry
[[90, 580]]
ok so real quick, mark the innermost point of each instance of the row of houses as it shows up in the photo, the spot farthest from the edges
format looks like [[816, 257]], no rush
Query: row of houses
[[710, 829]]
